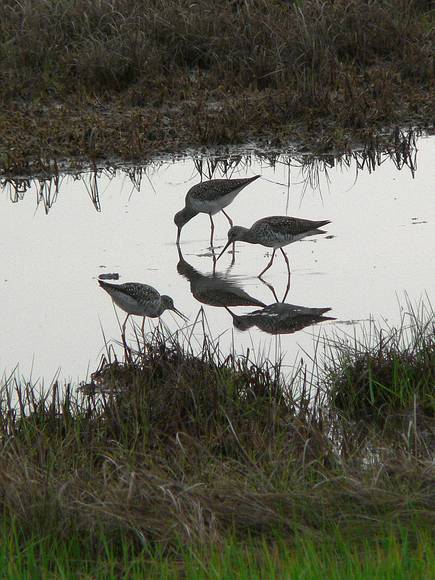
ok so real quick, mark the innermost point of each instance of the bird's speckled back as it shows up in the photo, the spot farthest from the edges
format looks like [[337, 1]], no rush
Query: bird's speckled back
[[216, 188]]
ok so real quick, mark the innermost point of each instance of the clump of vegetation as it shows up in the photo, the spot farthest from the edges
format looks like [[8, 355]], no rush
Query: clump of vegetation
[[165, 391], [386, 372], [127, 78]]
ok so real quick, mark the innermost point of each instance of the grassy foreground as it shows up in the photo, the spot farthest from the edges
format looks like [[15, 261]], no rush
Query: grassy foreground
[[129, 78], [392, 558], [173, 463]]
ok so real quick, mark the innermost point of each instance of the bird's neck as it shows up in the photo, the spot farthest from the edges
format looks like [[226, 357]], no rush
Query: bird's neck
[[188, 213], [186, 270], [246, 322], [245, 235]]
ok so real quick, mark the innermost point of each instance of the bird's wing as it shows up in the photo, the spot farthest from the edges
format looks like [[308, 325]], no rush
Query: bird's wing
[[286, 310], [216, 188], [285, 225], [222, 293], [140, 292]]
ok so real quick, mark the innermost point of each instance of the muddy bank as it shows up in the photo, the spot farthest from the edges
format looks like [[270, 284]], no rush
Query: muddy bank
[[32, 135]]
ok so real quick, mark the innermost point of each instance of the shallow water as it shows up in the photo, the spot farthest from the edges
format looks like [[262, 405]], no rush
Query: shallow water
[[58, 237]]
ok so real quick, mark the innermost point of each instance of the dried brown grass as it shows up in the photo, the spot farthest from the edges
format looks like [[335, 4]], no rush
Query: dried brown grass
[[97, 79]]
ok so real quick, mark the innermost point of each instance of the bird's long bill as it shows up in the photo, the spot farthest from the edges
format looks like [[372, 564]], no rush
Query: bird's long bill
[[180, 314], [228, 244]]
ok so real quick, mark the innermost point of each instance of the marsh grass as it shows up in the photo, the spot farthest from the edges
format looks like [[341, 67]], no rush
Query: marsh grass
[[132, 78], [175, 448], [386, 371], [157, 48]]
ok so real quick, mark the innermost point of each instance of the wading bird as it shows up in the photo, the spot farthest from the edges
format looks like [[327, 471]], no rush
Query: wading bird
[[139, 300], [210, 197], [275, 232]]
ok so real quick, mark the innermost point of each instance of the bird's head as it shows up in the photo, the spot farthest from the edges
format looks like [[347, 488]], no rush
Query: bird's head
[[168, 304], [235, 234], [242, 322], [181, 218]]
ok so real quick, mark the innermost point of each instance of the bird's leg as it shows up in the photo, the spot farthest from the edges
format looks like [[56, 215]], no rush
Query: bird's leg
[[233, 259], [123, 327], [212, 230], [213, 254], [288, 275], [287, 289], [271, 288], [286, 260], [228, 218], [214, 263], [124, 343], [230, 267], [143, 328], [269, 264], [234, 243]]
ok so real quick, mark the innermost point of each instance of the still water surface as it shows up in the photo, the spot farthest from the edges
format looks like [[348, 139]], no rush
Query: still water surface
[[378, 247]]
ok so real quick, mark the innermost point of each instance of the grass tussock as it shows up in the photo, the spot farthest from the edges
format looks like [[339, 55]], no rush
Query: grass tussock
[[124, 77], [386, 372], [169, 450]]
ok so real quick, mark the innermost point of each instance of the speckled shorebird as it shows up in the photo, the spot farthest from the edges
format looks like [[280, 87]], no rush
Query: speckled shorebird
[[210, 197], [275, 232], [280, 318], [214, 289], [139, 300]]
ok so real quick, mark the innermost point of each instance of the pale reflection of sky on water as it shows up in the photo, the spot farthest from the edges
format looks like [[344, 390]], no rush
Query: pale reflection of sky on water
[[53, 311]]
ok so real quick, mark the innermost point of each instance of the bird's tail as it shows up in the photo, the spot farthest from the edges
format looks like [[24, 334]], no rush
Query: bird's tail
[[255, 302], [319, 311], [322, 223], [106, 285]]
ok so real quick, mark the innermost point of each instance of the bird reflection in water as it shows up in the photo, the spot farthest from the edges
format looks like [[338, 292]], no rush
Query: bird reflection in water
[[272, 288], [280, 318], [214, 289]]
